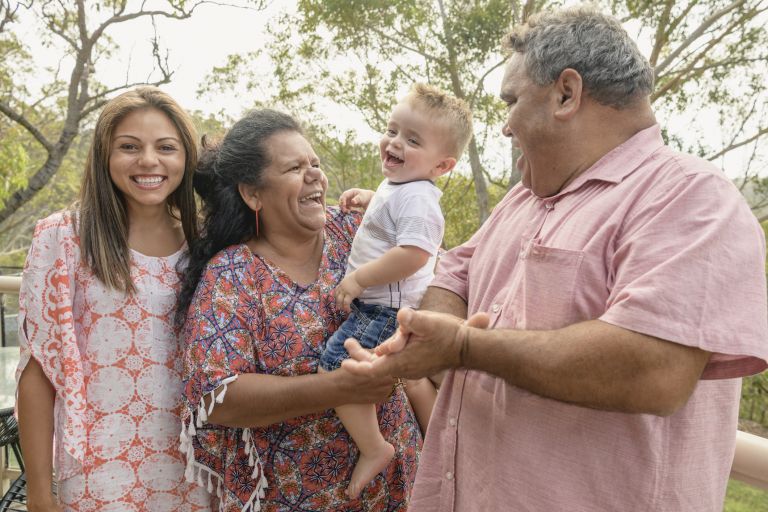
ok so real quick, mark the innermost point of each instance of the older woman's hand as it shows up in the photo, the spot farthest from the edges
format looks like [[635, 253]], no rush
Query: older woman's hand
[[363, 389], [355, 199]]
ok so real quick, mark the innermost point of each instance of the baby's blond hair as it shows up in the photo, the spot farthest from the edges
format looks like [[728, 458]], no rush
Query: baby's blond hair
[[452, 112]]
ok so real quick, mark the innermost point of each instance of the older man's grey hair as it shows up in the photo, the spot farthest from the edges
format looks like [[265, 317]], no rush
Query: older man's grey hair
[[614, 71]]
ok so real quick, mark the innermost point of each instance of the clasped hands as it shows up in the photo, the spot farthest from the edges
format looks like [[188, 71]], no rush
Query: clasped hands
[[424, 344]]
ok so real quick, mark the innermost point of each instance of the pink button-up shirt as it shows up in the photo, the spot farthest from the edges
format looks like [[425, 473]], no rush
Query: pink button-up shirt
[[647, 239]]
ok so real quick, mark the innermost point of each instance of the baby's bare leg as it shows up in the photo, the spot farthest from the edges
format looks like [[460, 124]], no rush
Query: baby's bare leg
[[361, 422], [375, 452], [422, 395]]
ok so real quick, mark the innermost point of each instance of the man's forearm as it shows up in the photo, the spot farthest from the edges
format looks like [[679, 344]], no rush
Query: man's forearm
[[593, 364], [443, 301]]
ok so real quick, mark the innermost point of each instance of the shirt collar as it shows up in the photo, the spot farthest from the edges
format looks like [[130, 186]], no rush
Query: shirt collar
[[410, 181], [622, 160]]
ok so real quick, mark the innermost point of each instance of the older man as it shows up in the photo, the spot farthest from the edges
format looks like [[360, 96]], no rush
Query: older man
[[625, 294]]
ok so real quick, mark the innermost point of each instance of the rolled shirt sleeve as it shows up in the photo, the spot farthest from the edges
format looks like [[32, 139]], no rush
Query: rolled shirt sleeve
[[674, 268]]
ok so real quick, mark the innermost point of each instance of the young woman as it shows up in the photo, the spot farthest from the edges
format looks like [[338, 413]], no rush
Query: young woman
[[100, 358]]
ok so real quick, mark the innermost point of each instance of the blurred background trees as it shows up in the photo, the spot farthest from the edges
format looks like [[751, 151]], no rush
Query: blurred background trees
[[359, 56]]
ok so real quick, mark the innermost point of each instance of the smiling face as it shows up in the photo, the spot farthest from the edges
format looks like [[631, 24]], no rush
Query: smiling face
[[530, 124], [412, 147], [292, 199], [146, 161]]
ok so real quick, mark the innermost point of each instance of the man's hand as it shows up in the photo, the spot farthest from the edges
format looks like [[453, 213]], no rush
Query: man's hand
[[425, 344], [355, 199], [397, 341], [347, 291]]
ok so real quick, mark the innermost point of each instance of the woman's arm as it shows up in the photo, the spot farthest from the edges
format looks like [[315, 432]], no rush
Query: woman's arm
[[36, 398], [260, 400]]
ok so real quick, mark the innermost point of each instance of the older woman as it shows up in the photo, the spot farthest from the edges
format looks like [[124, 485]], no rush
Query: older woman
[[259, 428]]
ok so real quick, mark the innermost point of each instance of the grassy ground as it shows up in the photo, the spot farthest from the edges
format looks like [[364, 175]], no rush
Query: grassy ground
[[742, 497]]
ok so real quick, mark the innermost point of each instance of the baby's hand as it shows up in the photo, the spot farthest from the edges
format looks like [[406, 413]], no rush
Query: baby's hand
[[355, 198], [347, 291]]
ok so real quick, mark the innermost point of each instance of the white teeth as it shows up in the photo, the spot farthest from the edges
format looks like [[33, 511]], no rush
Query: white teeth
[[314, 196], [148, 180]]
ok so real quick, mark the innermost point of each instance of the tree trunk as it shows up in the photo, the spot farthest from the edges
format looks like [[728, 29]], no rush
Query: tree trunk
[[481, 189], [514, 174]]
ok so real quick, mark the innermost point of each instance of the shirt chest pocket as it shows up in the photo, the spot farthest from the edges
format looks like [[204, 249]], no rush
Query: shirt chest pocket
[[544, 286]]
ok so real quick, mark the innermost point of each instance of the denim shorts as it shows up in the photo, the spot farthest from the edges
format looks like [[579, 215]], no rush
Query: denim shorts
[[370, 324]]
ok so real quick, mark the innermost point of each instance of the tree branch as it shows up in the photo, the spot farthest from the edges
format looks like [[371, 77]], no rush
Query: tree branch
[[696, 34], [727, 62], [735, 145], [404, 46], [685, 74], [481, 81], [9, 13], [180, 14], [23, 121], [662, 36]]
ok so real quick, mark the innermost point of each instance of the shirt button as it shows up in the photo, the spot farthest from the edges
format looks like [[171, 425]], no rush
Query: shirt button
[[449, 475], [495, 308], [452, 422]]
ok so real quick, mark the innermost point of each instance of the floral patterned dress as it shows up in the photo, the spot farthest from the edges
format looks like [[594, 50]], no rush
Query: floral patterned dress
[[114, 361], [249, 317]]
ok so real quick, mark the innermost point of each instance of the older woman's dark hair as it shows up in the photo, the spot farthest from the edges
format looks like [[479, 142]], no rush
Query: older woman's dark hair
[[240, 157]]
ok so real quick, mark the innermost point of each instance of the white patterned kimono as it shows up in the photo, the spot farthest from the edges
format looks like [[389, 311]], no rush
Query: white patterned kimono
[[115, 363]]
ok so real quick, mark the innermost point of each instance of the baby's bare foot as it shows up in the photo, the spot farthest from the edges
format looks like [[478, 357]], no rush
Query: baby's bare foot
[[368, 466]]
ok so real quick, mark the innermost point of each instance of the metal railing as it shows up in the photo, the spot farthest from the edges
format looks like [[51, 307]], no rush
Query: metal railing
[[750, 462]]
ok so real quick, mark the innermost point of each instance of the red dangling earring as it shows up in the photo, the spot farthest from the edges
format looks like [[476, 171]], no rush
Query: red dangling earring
[[257, 223]]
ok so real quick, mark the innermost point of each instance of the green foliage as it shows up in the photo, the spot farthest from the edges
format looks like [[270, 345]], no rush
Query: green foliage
[[21, 154], [461, 216], [210, 125], [741, 497], [449, 44], [61, 192], [754, 399], [346, 163], [754, 389], [365, 54], [14, 161]]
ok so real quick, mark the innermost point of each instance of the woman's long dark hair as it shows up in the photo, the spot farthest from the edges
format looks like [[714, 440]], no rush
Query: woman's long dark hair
[[240, 157]]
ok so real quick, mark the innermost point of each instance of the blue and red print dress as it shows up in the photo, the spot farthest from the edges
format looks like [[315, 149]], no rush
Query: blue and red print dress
[[247, 316]]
